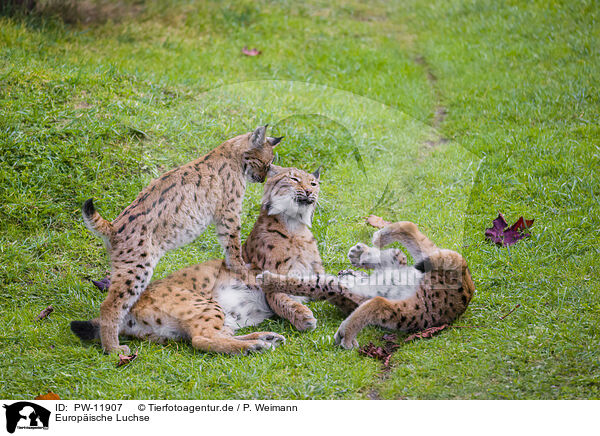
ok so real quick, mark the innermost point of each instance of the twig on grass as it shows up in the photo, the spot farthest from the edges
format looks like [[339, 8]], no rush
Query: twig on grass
[[515, 308], [427, 333]]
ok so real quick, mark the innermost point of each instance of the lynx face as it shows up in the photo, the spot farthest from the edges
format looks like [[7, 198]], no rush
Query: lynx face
[[257, 160], [292, 193]]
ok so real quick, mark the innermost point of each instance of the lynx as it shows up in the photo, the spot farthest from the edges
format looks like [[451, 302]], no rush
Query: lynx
[[434, 291], [207, 302], [172, 211]]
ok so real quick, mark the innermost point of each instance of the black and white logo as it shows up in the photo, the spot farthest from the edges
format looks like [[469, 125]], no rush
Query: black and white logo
[[26, 415]]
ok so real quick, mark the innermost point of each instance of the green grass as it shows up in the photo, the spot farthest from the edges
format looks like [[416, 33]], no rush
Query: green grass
[[99, 109]]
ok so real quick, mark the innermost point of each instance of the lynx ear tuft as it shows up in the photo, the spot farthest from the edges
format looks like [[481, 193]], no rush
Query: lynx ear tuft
[[258, 137], [274, 141], [317, 172]]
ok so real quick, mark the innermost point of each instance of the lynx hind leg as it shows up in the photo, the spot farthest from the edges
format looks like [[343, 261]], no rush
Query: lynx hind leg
[[363, 256], [228, 233], [408, 234], [295, 312], [203, 321], [204, 324], [121, 296], [128, 281], [217, 342], [376, 311]]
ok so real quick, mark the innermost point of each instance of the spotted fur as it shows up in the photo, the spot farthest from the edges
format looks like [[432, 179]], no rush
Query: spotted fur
[[207, 303], [172, 211], [434, 291]]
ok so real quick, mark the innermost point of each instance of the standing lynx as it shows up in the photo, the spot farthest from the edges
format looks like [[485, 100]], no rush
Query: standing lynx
[[435, 291], [207, 302], [172, 211]]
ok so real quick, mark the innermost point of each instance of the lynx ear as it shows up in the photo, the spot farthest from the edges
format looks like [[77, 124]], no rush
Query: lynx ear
[[275, 170], [257, 139], [274, 141], [317, 172]]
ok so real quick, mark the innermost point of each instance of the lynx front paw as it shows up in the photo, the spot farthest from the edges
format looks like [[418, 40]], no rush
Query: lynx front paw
[[267, 281], [237, 265], [263, 276], [266, 277], [343, 340]]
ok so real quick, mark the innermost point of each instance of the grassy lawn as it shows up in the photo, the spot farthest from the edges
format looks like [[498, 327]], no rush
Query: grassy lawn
[[443, 113]]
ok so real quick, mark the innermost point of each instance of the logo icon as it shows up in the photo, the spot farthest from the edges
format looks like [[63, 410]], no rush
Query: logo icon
[[26, 415]]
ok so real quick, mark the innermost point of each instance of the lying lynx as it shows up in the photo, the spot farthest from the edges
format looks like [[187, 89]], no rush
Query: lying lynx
[[208, 302], [172, 211], [435, 291]]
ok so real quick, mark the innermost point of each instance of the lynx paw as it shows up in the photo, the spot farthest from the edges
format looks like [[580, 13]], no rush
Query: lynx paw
[[273, 338], [266, 277], [259, 346], [358, 255], [344, 341], [119, 349], [270, 282], [306, 324]]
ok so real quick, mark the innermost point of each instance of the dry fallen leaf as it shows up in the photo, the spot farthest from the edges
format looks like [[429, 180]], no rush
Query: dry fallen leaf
[[44, 313], [391, 337], [49, 396], [381, 353], [373, 351], [103, 284], [125, 360], [427, 333], [501, 234], [250, 51], [377, 221]]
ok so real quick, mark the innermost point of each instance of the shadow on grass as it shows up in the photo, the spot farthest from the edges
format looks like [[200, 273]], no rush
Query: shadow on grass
[[70, 12]]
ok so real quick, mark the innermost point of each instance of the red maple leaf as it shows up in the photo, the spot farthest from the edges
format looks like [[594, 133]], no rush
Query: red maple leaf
[[501, 234]]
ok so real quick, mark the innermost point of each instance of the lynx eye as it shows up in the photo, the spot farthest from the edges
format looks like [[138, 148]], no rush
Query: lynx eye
[[313, 183], [295, 179]]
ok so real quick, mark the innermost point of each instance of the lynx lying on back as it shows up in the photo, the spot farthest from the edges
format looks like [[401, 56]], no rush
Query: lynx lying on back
[[207, 302], [172, 211], [435, 291]]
